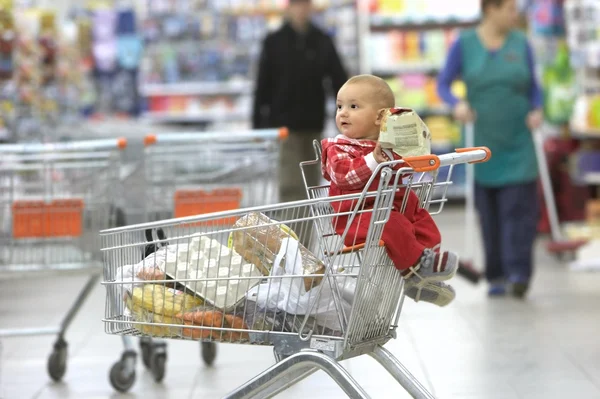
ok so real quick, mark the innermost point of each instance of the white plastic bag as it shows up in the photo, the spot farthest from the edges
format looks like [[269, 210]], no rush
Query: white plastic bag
[[289, 295], [151, 268]]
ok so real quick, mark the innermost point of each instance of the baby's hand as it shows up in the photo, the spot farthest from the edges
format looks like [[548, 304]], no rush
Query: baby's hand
[[379, 155]]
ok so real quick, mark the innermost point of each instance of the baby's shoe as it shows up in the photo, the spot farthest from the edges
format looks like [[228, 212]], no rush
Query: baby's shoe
[[433, 267], [437, 293]]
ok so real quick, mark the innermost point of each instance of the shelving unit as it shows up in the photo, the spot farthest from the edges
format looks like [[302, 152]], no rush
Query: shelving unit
[[406, 44], [225, 38]]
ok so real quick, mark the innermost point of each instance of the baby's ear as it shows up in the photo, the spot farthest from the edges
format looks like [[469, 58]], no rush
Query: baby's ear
[[380, 115]]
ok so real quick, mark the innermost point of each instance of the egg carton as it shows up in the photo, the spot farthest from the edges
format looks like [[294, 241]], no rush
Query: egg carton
[[205, 258]]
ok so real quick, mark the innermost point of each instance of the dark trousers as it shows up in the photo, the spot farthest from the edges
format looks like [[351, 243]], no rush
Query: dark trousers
[[298, 147], [508, 217]]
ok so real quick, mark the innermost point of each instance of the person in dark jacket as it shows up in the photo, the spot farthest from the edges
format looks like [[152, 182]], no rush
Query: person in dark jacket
[[298, 66]]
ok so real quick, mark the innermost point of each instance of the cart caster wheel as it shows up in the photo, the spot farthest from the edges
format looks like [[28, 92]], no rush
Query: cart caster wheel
[[121, 378], [146, 349], [157, 366], [209, 352], [57, 362]]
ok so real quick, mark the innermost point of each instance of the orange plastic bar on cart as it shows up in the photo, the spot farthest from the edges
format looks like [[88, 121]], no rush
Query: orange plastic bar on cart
[[149, 139], [284, 132], [197, 202], [423, 163], [349, 249], [468, 149], [38, 219]]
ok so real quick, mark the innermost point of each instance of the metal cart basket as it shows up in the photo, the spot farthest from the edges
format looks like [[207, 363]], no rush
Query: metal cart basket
[[53, 200], [188, 174], [193, 173], [253, 282]]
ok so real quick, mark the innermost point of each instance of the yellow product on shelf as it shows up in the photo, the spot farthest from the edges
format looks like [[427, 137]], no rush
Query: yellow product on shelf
[[594, 112], [47, 21], [391, 6], [6, 4], [96, 5], [444, 132]]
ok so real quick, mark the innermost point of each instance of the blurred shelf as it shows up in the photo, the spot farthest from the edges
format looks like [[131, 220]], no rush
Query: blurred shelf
[[591, 178], [434, 111], [407, 67], [196, 88], [276, 11], [398, 22], [199, 117], [442, 146], [584, 132]]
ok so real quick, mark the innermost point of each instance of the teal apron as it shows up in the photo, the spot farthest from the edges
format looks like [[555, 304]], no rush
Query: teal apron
[[498, 86]]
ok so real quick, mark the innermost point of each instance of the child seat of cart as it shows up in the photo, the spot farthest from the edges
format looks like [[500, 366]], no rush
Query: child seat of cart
[[424, 163], [322, 191]]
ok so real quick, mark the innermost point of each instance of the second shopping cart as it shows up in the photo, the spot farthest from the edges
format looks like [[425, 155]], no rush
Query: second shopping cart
[[193, 173]]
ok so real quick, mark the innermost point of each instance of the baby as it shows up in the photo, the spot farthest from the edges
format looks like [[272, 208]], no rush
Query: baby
[[411, 237]]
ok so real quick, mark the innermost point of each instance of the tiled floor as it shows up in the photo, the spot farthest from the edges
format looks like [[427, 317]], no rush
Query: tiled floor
[[546, 347]]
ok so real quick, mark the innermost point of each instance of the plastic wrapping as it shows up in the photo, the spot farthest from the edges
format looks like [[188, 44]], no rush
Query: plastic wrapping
[[157, 329], [260, 244], [151, 268], [289, 294], [403, 132], [206, 258], [155, 303], [208, 317]]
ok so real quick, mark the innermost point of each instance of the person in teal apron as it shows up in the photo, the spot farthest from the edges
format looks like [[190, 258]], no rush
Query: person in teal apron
[[504, 101]]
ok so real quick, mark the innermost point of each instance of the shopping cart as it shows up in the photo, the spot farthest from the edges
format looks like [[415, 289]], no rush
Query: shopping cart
[[53, 200], [186, 174], [194, 173], [254, 283]]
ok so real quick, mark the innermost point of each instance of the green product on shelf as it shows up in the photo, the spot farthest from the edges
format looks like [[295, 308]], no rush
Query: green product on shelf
[[559, 87]]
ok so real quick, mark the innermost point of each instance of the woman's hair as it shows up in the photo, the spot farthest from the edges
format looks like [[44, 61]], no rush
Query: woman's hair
[[486, 3]]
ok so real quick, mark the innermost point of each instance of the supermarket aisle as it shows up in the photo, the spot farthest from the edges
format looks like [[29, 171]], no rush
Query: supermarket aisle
[[476, 348]]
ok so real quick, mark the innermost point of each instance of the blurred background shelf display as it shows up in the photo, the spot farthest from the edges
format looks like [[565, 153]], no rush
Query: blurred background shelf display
[[406, 43], [201, 56]]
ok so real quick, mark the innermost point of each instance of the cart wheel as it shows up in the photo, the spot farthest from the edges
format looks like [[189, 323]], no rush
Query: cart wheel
[[209, 352], [146, 348], [120, 378], [158, 366], [57, 362]]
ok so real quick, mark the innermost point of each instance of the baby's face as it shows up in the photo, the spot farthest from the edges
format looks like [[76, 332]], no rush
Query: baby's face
[[356, 115]]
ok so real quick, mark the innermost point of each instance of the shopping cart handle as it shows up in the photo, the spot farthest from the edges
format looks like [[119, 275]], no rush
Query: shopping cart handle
[[471, 149], [119, 143], [246, 135], [466, 155]]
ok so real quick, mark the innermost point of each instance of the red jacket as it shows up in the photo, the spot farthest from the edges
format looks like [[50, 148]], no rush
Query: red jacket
[[348, 164]]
